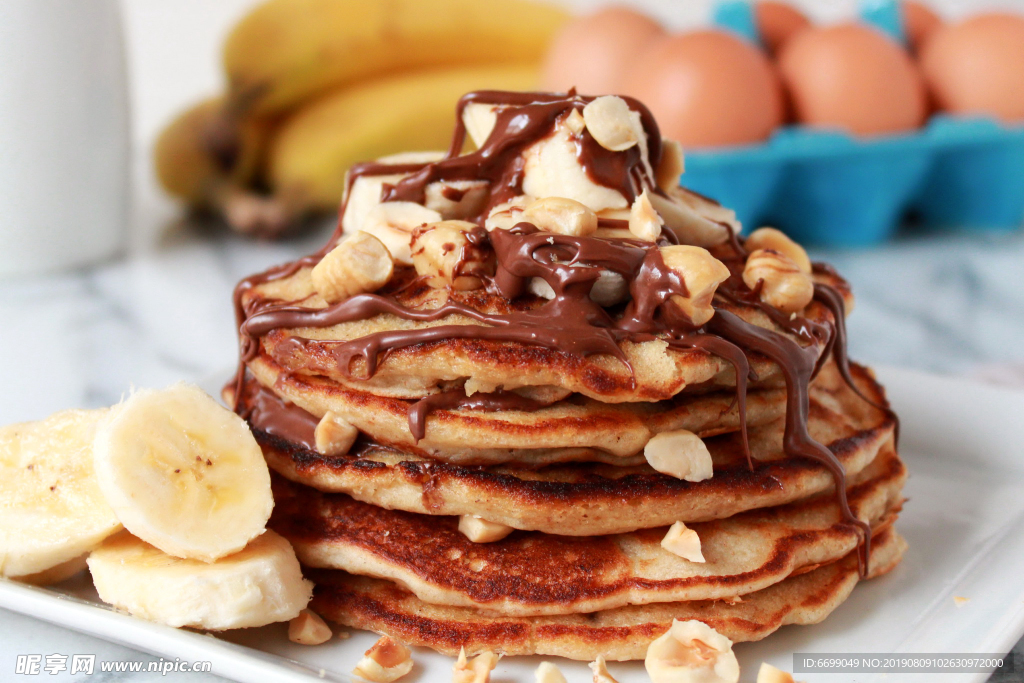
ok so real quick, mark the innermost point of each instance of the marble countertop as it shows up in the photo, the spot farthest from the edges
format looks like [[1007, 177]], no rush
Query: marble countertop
[[943, 303]]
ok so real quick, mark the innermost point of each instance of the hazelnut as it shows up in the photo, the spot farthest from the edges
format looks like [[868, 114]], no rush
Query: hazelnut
[[476, 670], [334, 435], [776, 240], [644, 222], [442, 253], [783, 285], [508, 214], [671, 166], [548, 673], [575, 122], [613, 124], [308, 629], [701, 273], [386, 660], [481, 531], [361, 263], [561, 216], [683, 542], [681, 454], [393, 222], [600, 670], [692, 652], [769, 674]]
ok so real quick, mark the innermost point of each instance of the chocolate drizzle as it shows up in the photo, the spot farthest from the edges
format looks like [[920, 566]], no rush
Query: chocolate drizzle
[[569, 322], [456, 399]]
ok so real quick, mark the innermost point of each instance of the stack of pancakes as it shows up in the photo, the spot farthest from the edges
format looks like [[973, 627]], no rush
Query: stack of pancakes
[[550, 442]]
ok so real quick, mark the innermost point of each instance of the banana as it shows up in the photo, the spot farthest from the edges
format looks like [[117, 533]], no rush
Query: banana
[[309, 153], [207, 149], [183, 473], [287, 51], [259, 585], [52, 508]]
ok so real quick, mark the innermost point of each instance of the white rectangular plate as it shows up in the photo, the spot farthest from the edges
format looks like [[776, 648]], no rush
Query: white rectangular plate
[[964, 522]]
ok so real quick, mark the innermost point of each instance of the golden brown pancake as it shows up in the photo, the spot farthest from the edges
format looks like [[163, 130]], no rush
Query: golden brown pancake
[[574, 429], [412, 372], [531, 573], [588, 499], [618, 634]]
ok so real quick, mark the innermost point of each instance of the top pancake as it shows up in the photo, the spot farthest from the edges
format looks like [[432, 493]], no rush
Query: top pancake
[[659, 372]]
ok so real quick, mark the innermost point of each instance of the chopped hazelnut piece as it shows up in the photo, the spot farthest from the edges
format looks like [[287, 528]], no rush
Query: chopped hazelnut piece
[[387, 660], [361, 263], [308, 629], [600, 670], [692, 652], [644, 222], [334, 435], [701, 273], [679, 453], [776, 240], [481, 531], [783, 285], [613, 124], [476, 670], [561, 216], [683, 542], [548, 673], [769, 674]]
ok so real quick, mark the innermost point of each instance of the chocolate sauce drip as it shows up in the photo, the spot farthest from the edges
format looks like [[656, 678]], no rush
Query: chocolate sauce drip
[[264, 410], [797, 364], [456, 399]]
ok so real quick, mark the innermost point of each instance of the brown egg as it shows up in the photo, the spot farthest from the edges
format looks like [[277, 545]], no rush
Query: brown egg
[[854, 77], [919, 22], [977, 66], [592, 53], [777, 22], [708, 88]]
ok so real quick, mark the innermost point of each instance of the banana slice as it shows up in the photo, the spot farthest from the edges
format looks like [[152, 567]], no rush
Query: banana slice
[[51, 507], [183, 473], [260, 585]]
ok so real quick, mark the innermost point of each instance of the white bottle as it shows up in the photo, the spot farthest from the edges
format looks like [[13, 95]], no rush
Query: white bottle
[[64, 134]]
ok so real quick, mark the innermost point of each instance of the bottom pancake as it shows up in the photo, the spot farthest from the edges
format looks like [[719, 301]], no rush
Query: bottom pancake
[[619, 634]]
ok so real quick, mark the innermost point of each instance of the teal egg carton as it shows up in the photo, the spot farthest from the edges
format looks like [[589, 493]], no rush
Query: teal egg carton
[[833, 189]]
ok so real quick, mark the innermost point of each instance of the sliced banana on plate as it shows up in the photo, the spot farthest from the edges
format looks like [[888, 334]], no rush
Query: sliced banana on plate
[[183, 473], [260, 585], [52, 510]]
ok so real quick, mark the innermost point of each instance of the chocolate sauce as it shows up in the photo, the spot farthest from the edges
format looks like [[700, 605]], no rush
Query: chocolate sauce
[[457, 399], [266, 411], [570, 322]]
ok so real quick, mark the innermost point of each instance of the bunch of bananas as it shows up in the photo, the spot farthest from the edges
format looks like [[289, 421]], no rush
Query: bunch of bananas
[[317, 85]]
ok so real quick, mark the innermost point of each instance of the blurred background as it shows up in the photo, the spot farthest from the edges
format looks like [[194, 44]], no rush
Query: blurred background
[[108, 282]]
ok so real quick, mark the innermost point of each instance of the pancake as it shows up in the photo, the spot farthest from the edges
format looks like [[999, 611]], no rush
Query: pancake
[[618, 634], [574, 429], [589, 499], [530, 573], [659, 372]]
